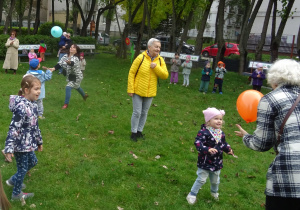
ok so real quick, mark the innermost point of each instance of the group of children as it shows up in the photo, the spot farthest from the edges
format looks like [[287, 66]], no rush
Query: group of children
[[257, 76]]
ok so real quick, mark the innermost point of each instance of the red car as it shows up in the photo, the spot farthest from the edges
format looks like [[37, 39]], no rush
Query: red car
[[231, 48]]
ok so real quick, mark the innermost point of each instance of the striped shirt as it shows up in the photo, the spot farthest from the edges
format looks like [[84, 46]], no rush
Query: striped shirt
[[283, 176]]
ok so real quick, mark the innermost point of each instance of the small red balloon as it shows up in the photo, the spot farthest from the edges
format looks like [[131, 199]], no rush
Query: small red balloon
[[247, 103]]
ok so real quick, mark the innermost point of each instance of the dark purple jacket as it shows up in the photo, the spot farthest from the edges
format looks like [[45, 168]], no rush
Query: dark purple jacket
[[258, 80], [203, 142]]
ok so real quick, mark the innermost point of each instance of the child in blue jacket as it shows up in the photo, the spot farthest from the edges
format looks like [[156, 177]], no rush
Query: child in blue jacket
[[206, 73]]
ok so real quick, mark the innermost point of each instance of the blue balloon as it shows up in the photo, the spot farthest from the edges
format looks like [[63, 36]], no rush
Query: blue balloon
[[56, 31]]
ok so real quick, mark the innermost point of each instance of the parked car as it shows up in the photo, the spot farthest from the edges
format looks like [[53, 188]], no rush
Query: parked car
[[103, 38], [231, 48]]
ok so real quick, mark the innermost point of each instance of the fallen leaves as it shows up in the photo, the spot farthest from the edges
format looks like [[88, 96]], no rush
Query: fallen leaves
[[157, 157], [154, 105], [119, 208], [165, 167], [77, 118], [111, 132], [180, 123], [114, 116]]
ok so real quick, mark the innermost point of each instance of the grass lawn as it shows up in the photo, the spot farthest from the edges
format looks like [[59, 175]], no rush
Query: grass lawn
[[83, 166]]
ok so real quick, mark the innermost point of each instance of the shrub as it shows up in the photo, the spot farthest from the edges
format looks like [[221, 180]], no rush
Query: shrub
[[23, 30]]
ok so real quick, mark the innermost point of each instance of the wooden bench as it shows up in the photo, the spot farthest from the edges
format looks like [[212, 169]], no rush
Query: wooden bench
[[252, 67], [25, 49], [88, 49]]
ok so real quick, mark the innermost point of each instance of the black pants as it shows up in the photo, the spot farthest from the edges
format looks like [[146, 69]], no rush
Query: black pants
[[218, 83], [281, 203], [257, 87]]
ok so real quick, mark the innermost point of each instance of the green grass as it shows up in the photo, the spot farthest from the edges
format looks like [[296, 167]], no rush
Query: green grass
[[84, 167]]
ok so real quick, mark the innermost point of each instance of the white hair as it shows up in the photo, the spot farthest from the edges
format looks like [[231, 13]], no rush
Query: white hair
[[284, 72], [151, 41]]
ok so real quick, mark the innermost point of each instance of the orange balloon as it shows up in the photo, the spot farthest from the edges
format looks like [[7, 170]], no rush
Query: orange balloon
[[247, 103]]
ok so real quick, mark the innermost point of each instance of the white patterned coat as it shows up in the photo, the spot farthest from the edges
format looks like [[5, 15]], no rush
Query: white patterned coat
[[72, 69]]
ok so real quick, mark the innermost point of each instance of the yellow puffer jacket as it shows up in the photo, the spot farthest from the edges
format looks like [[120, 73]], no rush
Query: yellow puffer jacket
[[144, 82]]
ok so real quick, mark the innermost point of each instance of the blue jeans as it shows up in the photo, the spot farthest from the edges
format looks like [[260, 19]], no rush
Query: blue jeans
[[25, 161], [214, 177], [59, 57], [141, 106], [68, 93]]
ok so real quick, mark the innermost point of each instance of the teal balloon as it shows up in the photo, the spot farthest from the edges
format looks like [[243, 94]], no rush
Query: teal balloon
[[56, 31]]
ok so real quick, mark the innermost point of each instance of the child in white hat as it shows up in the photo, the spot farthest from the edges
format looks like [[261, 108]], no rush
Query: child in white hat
[[210, 144]]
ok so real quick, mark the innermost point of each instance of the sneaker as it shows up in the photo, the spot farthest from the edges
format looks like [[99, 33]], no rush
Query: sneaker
[[215, 195], [21, 195], [140, 135], [191, 199], [64, 106], [213, 92], [10, 183], [133, 137], [41, 117], [85, 97], [221, 93]]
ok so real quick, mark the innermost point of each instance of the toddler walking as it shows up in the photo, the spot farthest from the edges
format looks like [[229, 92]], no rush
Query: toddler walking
[[206, 73], [43, 77], [42, 50], [32, 55], [258, 76], [187, 66], [210, 144], [24, 135], [176, 62], [219, 76]]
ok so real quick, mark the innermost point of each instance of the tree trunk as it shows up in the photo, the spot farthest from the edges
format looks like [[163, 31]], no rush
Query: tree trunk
[[141, 32], [37, 17], [86, 21], [1, 9], [172, 44], [9, 16], [75, 16], [109, 19], [248, 23], [258, 52], [53, 12], [67, 15], [199, 39], [29, 17], [149, 9], [220, 29], [186, 28], [273, 31], [276, 42], [298, 43], [20, 12]]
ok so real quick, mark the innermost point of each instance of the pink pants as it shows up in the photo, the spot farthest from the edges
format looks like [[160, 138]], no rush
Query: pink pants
[[174, 77]]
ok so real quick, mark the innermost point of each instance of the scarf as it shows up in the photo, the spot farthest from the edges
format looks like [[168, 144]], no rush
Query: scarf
[[216, 133], [152, 58], [10, 38], [43, 45]]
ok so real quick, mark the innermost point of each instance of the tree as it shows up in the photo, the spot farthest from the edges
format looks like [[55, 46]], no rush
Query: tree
[[140, 33], [248, 20], [37, 16], [298, 43], [220, 33], [132, 8], [1, 9], [9, 16], [67, 15], [53, 12], [199, 38], [284, 13], [20, 8], [29, 16], [86, 21], [258, 51], [74, 16], [109, 19]]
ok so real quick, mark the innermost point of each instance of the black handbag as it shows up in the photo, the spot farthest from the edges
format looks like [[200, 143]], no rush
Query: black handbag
[[72, 77]]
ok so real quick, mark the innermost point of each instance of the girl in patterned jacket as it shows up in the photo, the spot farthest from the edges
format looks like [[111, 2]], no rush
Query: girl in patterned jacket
[[71, 65], [210, 144], [24, 135]]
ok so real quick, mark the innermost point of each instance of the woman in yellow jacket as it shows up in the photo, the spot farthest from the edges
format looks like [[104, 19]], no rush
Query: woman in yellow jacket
[[142, 84]]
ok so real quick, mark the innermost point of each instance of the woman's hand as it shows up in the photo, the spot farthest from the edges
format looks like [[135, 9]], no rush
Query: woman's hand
[[241, 131], [130, 94], [152, 65], [212, 151]]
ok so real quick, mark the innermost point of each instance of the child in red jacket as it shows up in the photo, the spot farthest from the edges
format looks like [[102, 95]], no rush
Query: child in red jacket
[[42, 50]]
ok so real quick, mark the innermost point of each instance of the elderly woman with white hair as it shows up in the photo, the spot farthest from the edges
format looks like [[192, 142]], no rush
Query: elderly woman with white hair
[[142, 84], [283, 176]]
